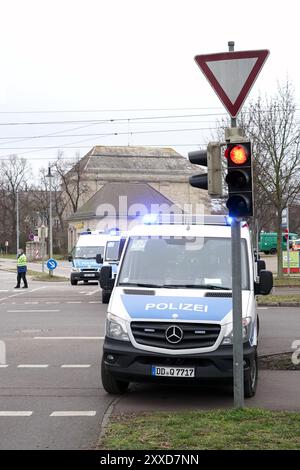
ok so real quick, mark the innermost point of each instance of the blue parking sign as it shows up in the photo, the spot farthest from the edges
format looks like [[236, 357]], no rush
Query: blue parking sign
[[51, 264]]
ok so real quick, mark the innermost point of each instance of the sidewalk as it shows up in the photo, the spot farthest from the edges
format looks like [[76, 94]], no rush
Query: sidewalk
[[276, 390], [63, 267]]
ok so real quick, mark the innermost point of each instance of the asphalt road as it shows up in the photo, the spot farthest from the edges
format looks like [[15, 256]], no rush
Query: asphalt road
[[51, 396]]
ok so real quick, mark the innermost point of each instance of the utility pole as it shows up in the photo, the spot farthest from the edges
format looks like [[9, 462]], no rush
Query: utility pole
[[43, 247], [50, 176], [237, 307], [18, 222]]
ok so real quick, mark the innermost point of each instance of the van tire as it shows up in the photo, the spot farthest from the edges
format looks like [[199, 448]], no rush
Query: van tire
[[273, 251], [74, 282], [250, 379], [110, 384], [105, 297]]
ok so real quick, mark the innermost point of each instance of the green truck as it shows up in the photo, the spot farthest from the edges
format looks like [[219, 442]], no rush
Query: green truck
[[268, 242]]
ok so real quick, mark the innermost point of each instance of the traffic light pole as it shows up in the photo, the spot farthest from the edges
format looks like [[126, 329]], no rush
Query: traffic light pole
[[237, 308]]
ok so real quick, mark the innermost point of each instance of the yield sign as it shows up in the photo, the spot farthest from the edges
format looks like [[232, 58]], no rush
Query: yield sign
[[232, 74]]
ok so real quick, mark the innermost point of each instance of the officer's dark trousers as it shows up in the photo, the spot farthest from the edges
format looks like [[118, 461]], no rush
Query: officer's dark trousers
[[23, 277]]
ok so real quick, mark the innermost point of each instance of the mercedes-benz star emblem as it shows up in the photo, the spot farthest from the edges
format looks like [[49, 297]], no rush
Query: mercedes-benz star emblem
[[174, 334]]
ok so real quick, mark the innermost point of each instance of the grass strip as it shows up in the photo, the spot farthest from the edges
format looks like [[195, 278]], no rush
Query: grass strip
[[38, 276], [291, 281], [282, 361], [245, 429], [292, 299]]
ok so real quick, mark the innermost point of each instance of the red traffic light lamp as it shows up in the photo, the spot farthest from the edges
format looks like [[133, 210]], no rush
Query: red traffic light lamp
[[286, 234], [239, 179]]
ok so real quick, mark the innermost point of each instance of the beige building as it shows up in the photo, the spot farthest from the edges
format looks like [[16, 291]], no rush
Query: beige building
[[119, 206], [162, 169]]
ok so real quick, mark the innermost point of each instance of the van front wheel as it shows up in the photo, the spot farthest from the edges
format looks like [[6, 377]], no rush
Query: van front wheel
[[105, 296], [250, 380], [110, 384]]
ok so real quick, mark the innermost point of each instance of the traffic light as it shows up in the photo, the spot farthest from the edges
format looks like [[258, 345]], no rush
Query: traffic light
[[239, 179], [211, 158], [286, 234]]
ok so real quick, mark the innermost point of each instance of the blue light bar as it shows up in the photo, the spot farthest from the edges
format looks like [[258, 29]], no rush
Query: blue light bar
[[150, 219]]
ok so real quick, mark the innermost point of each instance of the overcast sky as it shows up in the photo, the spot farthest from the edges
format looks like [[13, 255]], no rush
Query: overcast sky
[[90, 60]]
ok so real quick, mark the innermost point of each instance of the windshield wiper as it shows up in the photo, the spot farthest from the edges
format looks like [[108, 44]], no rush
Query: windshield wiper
[[139, 284], [196, 286]]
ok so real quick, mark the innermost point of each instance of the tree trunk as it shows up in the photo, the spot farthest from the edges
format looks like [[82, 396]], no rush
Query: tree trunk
[[279, 244]]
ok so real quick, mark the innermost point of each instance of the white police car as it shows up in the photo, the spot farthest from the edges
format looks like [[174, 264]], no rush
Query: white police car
[[169, 317]]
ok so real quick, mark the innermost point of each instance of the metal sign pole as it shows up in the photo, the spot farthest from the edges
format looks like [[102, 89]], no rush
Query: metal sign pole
[[237, 306], [288, 240]]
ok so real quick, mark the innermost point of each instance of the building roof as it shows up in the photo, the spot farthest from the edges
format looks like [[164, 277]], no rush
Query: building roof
[[113, 163], [124, 200]]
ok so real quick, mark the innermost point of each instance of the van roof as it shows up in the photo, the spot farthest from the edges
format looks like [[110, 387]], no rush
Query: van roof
[[93, 239], [181, 230]]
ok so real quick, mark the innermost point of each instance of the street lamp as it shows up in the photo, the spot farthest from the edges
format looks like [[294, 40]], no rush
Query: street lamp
[[50, 176]]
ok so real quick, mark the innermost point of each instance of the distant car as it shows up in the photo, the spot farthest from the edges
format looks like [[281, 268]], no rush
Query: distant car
[[296, 245]]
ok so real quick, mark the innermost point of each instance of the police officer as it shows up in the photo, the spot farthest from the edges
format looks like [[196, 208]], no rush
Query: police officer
[[22, 269]]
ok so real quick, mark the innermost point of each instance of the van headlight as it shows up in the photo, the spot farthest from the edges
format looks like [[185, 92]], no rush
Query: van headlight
[[116, 328], [75, 270], [228, 335]]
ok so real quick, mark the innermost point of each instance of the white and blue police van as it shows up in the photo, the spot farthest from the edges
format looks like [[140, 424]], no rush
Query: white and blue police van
[[169, 317], [84, 264]]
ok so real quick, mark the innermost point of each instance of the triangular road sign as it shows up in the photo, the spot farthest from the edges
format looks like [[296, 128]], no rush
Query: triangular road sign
[[232, 74]]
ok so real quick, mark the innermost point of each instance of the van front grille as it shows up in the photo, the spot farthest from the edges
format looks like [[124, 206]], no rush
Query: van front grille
[[175, 335]]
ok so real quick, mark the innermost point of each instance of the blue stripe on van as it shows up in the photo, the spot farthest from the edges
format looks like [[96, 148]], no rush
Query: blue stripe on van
[[182, 308]]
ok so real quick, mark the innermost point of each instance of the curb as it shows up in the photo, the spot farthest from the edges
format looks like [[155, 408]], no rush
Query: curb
[[105, 420]]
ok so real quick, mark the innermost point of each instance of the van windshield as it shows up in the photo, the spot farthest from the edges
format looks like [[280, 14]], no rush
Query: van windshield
[[193, 262], [88, 252], [112, 250]]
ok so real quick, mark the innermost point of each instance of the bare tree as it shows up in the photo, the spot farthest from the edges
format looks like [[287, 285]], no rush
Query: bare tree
[[14, 177], [71, 173], [272, 126]]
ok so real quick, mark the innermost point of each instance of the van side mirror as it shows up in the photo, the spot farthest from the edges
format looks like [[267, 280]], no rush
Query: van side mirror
[[99, 259], [106, 280], [70, 258], [265, 284], [261, 265]]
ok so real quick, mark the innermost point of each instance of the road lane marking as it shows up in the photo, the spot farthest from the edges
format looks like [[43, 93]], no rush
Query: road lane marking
[[95, 302], [30, 303], [93, 292], [3, 366], [262, 308], [16, 413], [38, 288], [74, 302], [73, 366], [32, 366], [73, 413], [31, 311], [68, 337]]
